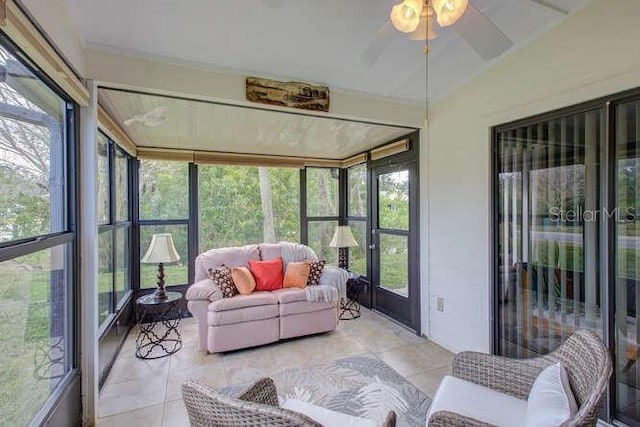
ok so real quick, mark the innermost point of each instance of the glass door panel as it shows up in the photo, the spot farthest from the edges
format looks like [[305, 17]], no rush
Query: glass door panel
[[547, 227], [394, 263], [627, 248], [394, 243]]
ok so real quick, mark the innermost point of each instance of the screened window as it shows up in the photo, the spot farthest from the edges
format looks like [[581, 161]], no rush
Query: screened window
[[164, 208], [357, 216], [244, 204], [37, 243], [114, 212], [323, 210]]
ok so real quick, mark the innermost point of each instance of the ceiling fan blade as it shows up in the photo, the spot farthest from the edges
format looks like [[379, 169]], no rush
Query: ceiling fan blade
[[549, 5], [379, 43], [481, 34]]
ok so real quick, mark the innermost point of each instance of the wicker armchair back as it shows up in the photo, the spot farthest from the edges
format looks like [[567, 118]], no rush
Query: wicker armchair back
[[583, 354]]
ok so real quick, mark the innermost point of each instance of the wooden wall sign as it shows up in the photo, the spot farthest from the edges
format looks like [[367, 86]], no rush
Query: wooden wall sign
[[288, 94]]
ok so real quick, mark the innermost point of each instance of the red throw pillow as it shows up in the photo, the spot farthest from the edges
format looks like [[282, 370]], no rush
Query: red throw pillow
[[268, 274]]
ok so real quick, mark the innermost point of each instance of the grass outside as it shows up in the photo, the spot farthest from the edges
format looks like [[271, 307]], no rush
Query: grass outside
[[24, 327], [570, 257]]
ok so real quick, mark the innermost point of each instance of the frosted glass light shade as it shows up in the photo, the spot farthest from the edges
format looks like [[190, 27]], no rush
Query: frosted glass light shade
[[405, 16], [449, 11], [160, 250], [343, 238], [426, 27]]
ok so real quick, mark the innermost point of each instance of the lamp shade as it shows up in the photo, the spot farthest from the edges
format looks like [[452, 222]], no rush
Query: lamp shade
[[405, 16], [160, 250], [449, 11], [343, 238]]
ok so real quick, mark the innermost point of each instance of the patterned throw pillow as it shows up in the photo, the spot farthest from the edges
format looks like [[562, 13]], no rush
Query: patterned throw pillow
[[221, 277], [315, 271]]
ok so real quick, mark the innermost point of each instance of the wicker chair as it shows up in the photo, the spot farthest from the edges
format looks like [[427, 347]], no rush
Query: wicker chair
[[583, 354], [256, 406]]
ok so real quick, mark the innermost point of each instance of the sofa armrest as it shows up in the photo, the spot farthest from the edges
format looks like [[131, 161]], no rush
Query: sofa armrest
[[336, 278], [514, 377], [204, 290]]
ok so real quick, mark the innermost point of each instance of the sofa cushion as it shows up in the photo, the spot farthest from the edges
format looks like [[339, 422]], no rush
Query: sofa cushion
[[240, 301], [296, 275], [478, 402], [243, 280], [315, 271], [287, 295], [270, 251], [268, 274], [245, 314], [203, 290], [221, 277], [326, 417], [231, 257], [301, 307], [551, 401]]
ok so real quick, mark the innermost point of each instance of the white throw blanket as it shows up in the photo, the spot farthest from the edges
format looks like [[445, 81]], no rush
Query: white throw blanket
[[333, 282]]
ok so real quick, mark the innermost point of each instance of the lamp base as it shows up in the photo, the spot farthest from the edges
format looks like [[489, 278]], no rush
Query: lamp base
[[160, 293], [342, 258]]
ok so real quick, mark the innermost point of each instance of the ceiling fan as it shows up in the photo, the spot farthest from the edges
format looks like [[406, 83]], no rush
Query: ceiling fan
[[421, 18], [153, 118]]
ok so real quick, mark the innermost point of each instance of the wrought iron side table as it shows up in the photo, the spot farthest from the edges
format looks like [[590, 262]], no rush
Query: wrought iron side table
[[350, 309], [158, 326]]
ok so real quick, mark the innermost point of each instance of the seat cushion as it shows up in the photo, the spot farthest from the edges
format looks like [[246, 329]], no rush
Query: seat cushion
[[478, 402], [240, 315], [288, 295], [324, 416], [301, 307], [241, 301]]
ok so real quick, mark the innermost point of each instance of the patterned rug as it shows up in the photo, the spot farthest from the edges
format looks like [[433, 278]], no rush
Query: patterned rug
[[362, 386]]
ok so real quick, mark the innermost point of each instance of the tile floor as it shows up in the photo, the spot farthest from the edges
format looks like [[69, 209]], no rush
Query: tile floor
[[147, 392]]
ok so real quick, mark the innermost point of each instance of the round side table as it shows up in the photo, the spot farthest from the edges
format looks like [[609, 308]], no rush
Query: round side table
[[158, 326], [350, 309]]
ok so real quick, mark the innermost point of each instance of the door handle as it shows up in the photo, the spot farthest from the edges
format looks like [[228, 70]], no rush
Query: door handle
[[372, 247]]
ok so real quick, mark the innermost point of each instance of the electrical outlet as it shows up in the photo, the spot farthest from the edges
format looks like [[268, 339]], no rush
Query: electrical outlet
[[440, 304]]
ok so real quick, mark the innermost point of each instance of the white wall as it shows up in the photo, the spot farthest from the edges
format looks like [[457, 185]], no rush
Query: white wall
[[53, 17], [593, 53]]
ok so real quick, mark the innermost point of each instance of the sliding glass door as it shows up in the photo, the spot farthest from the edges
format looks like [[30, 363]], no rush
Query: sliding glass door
[[566, 252], [547, 224], [627, 258]]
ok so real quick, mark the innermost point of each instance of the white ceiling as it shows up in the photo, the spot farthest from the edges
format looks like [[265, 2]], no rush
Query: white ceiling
[[198, 125], [311, 40]]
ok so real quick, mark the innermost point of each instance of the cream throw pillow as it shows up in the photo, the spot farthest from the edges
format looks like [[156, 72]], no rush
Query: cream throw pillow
[[551, 401], [244, 280]]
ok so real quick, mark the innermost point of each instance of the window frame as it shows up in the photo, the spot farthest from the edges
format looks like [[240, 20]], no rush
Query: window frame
[[112, 225], [70, 153], [359, 218]]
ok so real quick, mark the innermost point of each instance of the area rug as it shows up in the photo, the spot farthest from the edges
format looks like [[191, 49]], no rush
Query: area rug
[[363, 386]]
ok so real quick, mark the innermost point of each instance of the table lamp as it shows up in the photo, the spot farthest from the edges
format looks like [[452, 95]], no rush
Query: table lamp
[[343, 239], [161, 251]]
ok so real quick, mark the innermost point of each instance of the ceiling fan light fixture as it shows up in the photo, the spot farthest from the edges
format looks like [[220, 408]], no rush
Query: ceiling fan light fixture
[[449, 11], [405, 16], [426, 27]]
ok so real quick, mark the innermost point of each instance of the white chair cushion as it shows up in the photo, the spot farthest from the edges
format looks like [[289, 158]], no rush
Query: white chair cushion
[[551, 401], [478, 402], [326, 417]]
